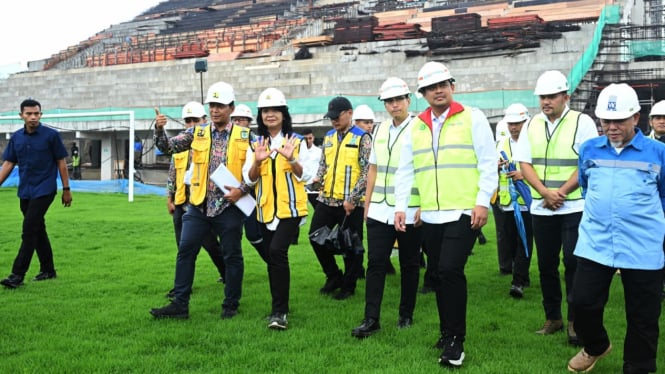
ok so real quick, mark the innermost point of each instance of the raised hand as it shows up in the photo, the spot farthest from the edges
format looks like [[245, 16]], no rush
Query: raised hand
[[160, 120], [262, 149], [289, 146]]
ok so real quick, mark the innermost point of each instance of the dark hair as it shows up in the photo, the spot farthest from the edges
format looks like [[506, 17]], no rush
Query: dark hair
[[30, 102], [287, 124], [307, 131]]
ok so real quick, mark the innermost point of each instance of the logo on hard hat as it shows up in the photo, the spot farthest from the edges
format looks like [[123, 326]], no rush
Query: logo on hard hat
[[215, 95], [612, 104]]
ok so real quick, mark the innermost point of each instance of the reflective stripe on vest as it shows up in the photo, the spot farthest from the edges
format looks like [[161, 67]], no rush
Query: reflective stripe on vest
[[278, 192], [387, 161], [451, 180], [342, 165], [553, 157]]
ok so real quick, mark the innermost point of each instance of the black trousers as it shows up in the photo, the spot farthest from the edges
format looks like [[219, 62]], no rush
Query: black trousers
[[210, 243], [513, 257], [552, 233], [279, 273], [641, 290], [325, 215], [449, 246], [380, 240], [34, 236]]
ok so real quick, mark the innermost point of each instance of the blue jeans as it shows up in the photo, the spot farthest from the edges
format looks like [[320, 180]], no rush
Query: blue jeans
[[227, 226]]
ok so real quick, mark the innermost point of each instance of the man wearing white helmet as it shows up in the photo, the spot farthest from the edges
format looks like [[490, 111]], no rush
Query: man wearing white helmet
[[363, 117], [242, 116], [513, 257], [622, 176], [177, 188], [210, 208], [547, 151], [448, 157], [379, 215], [657, 121]]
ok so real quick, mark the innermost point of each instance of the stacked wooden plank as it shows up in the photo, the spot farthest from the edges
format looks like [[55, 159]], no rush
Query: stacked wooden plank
[[514, 21], [398, 31], [500, 34], [312, 41], [457, 23], [355, 30]]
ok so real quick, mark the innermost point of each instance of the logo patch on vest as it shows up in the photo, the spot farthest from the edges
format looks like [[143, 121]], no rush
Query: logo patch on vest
[[244, 134]]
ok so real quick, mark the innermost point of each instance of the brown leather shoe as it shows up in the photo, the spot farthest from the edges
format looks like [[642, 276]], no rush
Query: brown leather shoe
[[550, 327], [583, 362]]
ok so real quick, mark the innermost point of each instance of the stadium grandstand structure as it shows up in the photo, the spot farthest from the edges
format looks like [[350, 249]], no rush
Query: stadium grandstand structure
[[228, 29], [316, 50]]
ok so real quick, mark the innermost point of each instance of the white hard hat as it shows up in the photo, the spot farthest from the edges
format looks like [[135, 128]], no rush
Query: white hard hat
[[393, 87], [431, 73], [193, 109], [658, 109], [551, 82], [271, 97], [617, 101], [242, 110], [516, 113], [220, 92], [363, 112]]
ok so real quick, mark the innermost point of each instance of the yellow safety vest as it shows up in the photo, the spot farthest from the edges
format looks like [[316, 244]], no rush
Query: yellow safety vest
[[387, 161], [201, 153], [450, 181], [552, 156], [278, 192], [343, 166], [180, 165], [504, 191]]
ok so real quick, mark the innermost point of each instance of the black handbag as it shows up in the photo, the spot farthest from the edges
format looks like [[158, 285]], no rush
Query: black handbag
[[320, 235], [333, 242], [351, 242]]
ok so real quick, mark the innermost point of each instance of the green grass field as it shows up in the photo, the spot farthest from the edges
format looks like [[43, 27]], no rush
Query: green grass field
[[115, 261]]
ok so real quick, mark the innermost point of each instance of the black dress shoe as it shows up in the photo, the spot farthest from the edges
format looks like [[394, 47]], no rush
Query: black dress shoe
[[12, 281], [44, 275], [343, 294], [331, 285], [367, 328], [173, 310], [228, 313], [426, 289], [404, 322]]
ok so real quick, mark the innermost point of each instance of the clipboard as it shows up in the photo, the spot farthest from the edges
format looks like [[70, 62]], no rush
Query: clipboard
[[223, 177]]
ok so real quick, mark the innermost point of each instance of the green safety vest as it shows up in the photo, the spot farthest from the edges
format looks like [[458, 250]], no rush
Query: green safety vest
[[450, 181], [387, 161], [552, 156]]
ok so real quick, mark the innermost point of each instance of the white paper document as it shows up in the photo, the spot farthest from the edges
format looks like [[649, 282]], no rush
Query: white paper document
[[223, 177]]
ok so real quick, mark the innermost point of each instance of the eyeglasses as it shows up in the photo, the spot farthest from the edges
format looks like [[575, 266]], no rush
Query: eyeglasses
[[192, 120]]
